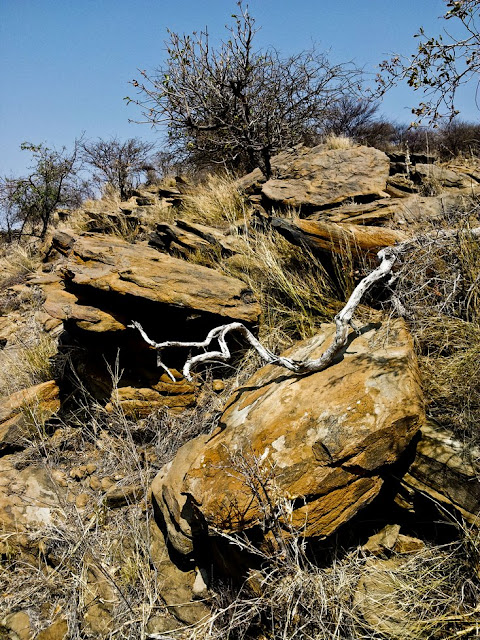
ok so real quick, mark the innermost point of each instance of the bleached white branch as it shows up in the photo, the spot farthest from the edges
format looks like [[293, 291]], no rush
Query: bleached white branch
[[343, 320]]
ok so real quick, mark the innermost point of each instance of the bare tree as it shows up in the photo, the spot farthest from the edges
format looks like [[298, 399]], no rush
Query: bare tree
[[119, 164], [52, 183], [237, 104], [441, 64]]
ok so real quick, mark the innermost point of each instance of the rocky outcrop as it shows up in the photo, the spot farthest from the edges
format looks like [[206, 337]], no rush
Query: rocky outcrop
[[322, 442], [318, 177], [102, 283]]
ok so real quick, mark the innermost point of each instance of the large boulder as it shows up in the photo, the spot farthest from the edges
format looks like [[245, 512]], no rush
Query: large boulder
[[317, 177], [321, 441]]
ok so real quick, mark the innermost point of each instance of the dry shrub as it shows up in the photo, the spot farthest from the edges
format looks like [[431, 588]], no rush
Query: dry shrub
[[438, 291]]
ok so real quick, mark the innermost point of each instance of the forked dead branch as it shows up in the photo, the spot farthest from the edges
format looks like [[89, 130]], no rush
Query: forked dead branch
[[343, 320]]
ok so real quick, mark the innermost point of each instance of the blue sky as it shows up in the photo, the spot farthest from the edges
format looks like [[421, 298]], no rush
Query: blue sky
[[65, 64]]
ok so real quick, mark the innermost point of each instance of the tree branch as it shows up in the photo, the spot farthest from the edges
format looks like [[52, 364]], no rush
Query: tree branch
[[343, 319]]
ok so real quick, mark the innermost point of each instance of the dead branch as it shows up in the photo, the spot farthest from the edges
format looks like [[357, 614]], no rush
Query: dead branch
[[343, 319]]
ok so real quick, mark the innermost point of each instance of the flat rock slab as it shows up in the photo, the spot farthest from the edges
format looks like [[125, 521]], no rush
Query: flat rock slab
[[137, 271], [319, 177], [320, 441], [331, 236]]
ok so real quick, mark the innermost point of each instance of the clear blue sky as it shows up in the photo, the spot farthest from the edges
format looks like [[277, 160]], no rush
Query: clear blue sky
[[65, 64]]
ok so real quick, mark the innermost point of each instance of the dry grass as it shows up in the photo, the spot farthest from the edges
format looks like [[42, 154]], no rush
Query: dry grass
[[17, 262], [217, 201], [339, 142], [93, 567]]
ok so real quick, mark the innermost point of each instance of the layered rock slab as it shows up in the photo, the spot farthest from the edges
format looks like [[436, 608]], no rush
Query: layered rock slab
[[115, 266], [318, 177], [320, 441]]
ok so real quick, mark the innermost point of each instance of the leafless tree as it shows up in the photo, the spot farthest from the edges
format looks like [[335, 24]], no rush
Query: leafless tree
[[119, 164], [237, 104]]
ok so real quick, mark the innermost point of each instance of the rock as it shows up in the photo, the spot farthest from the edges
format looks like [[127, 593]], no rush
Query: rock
[[400, 186], [118, 496], [418, 212], [382, 541], [99, 599], [327, 437], [375, 600], [29, 498], [440, 471], [215, 237], [136, 273], [378, 212], [440, 176], [22, 412], [176, 586], [169, 237], [339, 238], [17, 626], [107, 283], [137, 402], [318, 177], [56, 631]]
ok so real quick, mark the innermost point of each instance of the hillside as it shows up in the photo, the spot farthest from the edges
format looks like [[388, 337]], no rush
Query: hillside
[[247, 496]]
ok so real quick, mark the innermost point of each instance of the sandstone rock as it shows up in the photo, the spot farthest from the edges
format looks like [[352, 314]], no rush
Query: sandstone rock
[[176, 586], [318, 177], [118, 496], [169, 237], [139, 402], [139, 273], [56, 631], [330, 236], [440, 471], [441, 176], [17, 626], [375, 599], [99, 597], [29, 498], [382, 541], [325, 438], [378, 212], [23, 411]]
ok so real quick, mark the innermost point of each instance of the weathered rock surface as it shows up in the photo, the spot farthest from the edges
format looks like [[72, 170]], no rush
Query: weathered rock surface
[[330, 236], [138, 272], [29, 498], [318, 177], [102, 283], [440, 470], [442, 176], [22, 412], [323, 440]]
